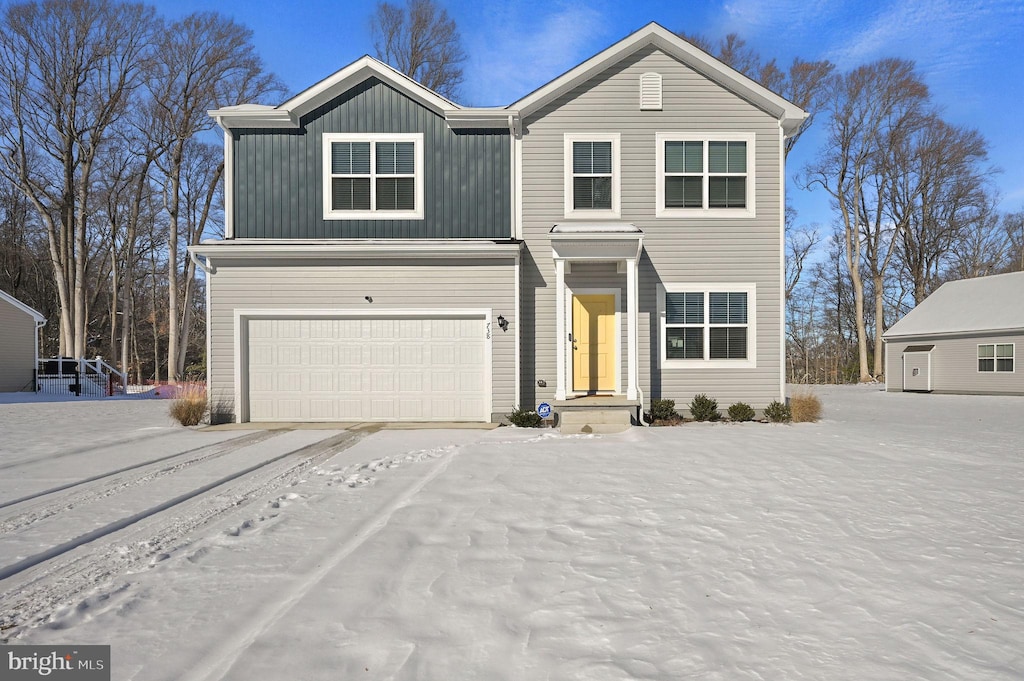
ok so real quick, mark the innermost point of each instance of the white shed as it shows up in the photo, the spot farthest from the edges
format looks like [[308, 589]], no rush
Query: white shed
[[19, 344]]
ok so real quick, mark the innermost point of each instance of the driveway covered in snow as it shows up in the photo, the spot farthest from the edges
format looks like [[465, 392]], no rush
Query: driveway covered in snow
[[886, 542]]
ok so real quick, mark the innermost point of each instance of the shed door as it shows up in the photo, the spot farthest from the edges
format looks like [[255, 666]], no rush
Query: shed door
[[917, 374], [407, 369]]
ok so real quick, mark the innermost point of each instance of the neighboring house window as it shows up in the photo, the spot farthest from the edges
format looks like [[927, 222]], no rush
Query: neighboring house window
[[711, 176], [707, 325], [592, 176], [995, 357], [375, 177]]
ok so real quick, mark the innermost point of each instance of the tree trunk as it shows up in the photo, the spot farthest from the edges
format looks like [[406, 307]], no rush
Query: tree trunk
[[172, 261], [879, 325]]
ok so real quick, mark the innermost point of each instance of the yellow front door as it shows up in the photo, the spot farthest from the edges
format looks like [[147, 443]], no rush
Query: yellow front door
[[593, 347]]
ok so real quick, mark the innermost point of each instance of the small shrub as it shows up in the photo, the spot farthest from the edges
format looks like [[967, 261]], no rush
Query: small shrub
[[778, 412], [663, 410], [704, 408], [741, 411], [189, 405], [805, 407], [524, 418]]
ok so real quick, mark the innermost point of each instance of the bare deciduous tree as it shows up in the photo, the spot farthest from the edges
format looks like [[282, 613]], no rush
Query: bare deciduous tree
[[204, 61], [67, 71], [937, 195], [804, 83], [421, 41], [868, 107]]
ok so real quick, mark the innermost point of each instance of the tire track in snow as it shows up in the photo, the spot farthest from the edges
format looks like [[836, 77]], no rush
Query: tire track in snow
[[63, 576], [214, 450], [91, 448], [220, 662]]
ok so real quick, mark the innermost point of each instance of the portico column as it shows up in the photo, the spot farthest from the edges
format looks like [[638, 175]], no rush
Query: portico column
[[632, 332], [560, 329]]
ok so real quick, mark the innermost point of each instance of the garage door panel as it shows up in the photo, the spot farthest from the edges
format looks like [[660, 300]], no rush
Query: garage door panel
[[289, 354], [410, 355], [322, 410], [409, 381], [321, 382], [382, 354], [322, 355], [442, 381], [350, 381], [412, 369], [442, 353]]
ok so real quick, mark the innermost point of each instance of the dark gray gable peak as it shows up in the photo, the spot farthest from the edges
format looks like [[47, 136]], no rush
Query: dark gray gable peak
[[288, 114], [789, 115]]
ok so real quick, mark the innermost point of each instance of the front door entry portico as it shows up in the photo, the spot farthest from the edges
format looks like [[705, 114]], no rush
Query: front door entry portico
[[593, 343]]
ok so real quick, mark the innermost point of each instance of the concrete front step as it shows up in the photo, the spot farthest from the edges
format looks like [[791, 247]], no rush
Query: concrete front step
[[574, 421]]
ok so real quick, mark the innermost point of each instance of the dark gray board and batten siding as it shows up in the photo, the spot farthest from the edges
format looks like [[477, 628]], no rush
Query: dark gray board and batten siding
[[278, 174]]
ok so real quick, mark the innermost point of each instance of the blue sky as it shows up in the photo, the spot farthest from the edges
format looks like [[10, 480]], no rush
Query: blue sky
[[971, 52]]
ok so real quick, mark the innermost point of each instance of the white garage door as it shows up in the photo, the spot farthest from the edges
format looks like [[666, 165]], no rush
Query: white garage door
[[415, 369]]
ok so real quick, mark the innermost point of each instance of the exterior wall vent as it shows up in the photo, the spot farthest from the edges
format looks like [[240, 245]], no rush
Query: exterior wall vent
[[650, 92]]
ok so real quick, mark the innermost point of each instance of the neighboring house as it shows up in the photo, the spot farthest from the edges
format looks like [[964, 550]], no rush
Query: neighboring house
[[391, 255], [19, 344], [963, 338]]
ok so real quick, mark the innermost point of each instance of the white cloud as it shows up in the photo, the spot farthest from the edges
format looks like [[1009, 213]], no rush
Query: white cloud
[[518, 48], [752, 19]]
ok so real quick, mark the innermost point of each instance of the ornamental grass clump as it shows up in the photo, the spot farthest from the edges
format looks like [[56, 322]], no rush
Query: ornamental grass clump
[[741, 411], [704, 408], [805, 407], [189, 405]]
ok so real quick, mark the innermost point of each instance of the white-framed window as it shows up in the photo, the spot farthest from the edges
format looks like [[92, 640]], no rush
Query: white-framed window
[[373, 177], [995, 357], [592, 175], [708, 325], [707, 175]]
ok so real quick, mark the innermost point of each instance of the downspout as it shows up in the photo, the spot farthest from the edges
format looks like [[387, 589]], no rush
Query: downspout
[[782, 260], [35, 368], [513, 205], [205, 265]]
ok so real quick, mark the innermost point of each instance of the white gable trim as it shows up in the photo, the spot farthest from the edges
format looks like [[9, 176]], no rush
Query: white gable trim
[[790, 115]]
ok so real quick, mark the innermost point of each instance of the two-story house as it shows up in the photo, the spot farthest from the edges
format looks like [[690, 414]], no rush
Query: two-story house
[[391, 255]]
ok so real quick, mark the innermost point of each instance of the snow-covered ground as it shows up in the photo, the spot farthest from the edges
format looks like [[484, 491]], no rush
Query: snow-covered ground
[[886, 542]]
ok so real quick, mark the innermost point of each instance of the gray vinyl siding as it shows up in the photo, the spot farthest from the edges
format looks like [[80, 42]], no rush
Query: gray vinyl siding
[[17, 348], [676, 250], [342, 285], [954, 367], [278, 174]]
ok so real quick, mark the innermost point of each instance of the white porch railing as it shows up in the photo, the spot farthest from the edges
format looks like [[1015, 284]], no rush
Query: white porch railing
[[94, 377]]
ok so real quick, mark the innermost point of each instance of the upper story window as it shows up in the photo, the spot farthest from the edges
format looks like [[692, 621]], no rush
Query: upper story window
[[707, 325], [995, 357], [703, 175], [592, 175], [373, 177]]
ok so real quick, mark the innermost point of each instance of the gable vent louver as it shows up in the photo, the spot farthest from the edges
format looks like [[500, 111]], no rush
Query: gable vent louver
[[650, 92]]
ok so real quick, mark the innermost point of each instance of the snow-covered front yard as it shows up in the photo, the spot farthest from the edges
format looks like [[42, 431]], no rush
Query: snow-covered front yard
[[886, 542]]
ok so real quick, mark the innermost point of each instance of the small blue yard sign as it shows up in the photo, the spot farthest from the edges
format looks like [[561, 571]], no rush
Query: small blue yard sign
[[543, 410]]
